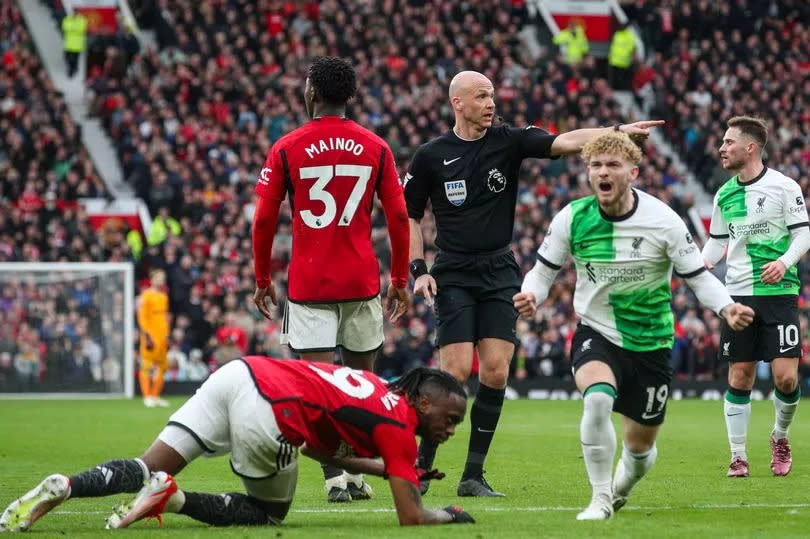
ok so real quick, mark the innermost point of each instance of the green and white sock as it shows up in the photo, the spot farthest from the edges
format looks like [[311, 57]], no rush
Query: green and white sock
[[785, 407], [631, 468], [597, 436], [737, 410]]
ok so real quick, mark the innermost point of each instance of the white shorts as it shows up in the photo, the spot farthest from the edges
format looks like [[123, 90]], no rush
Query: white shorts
[[356, 326], [228, 415]]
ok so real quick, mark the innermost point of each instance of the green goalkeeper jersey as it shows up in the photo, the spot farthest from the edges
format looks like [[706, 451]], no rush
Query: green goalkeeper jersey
[[754, 219], [624, 267]]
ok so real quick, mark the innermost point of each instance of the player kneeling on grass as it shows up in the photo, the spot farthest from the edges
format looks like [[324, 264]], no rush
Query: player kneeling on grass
[[261, 410], [624, 243]]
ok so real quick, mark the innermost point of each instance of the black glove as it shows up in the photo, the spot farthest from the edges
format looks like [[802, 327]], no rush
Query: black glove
[[459, 515], [429, 475]]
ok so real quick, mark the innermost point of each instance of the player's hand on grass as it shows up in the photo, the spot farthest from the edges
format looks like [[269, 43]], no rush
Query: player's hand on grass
[[458, 515], [425, 286], [396, 302], [259, 297], [150, 343], [772, 272], [429, 475], [525, 303], [738, 316]]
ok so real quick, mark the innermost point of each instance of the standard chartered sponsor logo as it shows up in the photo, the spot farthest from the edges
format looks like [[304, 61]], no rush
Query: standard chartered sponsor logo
[[612, 274], [590, 271], [737, 230]]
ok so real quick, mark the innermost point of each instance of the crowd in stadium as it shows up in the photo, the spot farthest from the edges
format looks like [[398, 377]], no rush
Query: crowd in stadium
[[192, 123], [40, 143], [67, 334], [717, 61]]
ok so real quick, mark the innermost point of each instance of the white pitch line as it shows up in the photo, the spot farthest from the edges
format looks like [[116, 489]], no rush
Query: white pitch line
[[532, 509]]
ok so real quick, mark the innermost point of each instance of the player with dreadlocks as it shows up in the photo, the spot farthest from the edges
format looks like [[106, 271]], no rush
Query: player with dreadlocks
[[261, 411], [419, 380]]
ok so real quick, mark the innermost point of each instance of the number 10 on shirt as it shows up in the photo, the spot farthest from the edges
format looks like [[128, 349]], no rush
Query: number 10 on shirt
[[322, 176]]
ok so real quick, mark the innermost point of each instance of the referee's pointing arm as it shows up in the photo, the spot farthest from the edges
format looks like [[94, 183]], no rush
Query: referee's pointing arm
[[573, 141]]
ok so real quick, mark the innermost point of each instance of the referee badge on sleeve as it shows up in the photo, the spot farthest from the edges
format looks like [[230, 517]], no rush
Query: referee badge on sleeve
[[456, 191]]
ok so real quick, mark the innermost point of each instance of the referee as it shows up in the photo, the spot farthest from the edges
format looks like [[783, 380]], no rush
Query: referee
[[470, 177]]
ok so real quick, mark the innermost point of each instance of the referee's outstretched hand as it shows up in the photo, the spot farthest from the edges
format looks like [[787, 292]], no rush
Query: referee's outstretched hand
[[525, 304], [640, 129], [259, 298], [396, 302], [425, 286]]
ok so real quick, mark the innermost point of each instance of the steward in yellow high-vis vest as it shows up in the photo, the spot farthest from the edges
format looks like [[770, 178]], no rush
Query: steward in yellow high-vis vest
[[74, 29], [162, 226], [575, 42], [620, 57], [622, 47]]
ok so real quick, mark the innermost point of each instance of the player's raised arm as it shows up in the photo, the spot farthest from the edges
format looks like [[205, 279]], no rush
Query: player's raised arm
[[550, 257], [573, 141]]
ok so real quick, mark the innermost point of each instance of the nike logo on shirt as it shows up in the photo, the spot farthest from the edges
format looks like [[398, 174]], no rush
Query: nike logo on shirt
[[446, 162]]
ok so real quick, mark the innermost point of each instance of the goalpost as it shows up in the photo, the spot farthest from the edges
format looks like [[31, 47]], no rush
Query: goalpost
[[66, 330]]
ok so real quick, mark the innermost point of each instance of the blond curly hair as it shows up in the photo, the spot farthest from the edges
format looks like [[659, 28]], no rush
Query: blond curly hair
[[614, 143]]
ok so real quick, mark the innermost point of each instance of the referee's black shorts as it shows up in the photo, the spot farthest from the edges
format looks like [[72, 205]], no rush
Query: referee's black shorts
[[474, 298]]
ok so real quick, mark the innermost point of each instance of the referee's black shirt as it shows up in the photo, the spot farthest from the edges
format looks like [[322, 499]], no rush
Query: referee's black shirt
[[472, 185]]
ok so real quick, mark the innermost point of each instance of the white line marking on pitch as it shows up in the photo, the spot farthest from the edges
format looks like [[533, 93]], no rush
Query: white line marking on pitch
[[706, 506]]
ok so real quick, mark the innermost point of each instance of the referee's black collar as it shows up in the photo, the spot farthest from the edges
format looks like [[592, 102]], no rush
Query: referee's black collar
[[460, 139], [616, 218], [753, 180]]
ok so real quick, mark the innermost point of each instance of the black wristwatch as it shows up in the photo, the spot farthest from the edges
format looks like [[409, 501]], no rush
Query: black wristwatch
[[418, 267]]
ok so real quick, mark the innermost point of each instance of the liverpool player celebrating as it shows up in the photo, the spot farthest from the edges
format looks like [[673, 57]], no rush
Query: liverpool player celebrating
[[260, 410], [625, 245], [331, 168]]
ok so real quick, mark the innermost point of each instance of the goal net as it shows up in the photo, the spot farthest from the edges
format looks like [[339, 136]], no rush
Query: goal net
[[66, 330]]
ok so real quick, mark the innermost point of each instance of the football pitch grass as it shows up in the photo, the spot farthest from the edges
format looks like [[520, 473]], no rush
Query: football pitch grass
[[535, 460]]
